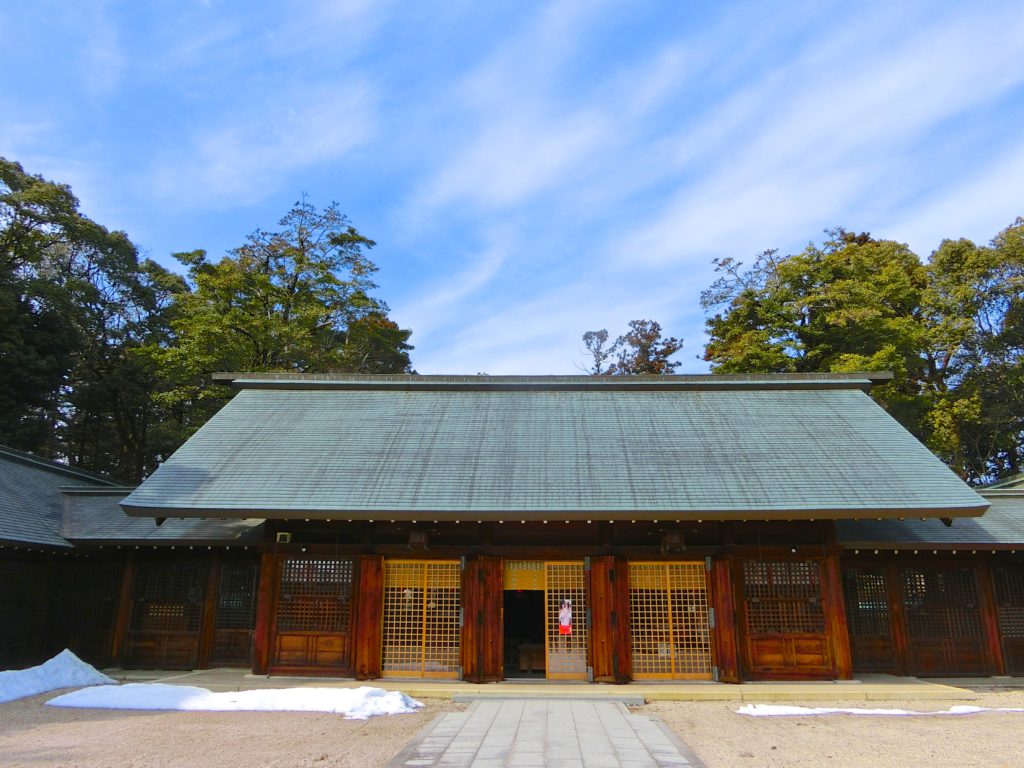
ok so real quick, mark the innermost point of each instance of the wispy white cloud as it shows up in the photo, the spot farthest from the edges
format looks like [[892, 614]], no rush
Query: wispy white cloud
[[237, 159], [442, 303], [790, 157], [103, 53], [977, 208]]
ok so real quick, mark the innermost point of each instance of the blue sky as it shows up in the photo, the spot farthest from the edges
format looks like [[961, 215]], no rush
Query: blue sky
[[529, 170]]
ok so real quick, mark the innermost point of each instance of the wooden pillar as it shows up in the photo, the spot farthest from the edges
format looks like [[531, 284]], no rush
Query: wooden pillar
[[725, 634], [483, 632], [264, 613], [610, 650], [897, 614], [369, 617], [989, 616], [123, 610], [835, 617], [209, 618]]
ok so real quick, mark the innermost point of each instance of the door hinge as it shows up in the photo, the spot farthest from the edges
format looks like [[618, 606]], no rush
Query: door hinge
[[714, 674], [462, 617], [707, 564], [586, 563], [711, 618]]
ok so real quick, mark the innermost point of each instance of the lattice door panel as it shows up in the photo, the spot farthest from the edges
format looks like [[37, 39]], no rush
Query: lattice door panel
[[946, 635], [941, 604], [422, 623], [236, 613], [167, 615], [1009, 584], [783, 597], [565, 600], [81, 608], [313, 621], [668, 619]]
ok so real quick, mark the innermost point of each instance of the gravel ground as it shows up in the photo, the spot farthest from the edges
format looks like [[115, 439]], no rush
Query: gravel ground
[[724, 739], [53, 737], [44, 737]]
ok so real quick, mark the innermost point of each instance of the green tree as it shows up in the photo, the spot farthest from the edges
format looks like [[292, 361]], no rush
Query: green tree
[[73, 305], [978, 295], [946, 329], [295, 299], [641, 350]]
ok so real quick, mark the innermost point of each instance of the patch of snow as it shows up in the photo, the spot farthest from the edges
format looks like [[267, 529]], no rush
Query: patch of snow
[[354, 703], [65, 670], [781, 710]]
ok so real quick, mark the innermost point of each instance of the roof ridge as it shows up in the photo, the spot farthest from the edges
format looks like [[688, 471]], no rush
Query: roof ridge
[[291, 380]]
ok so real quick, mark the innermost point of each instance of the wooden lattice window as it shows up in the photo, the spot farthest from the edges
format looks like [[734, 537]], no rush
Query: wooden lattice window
[[315, 595], [169, 597], [783, 597], [668, 620], [565, 587], [941, 603], [422, 624], [867, 601], [1009, 584]]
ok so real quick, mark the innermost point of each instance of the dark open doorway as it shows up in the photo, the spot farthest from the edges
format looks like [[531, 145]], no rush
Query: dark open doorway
[[524, 633]]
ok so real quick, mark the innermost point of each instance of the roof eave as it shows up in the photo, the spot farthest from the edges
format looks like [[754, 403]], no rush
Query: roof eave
[[532, 515]]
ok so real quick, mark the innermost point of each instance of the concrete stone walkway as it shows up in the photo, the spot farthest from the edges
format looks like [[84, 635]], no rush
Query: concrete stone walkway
[[559, 734]]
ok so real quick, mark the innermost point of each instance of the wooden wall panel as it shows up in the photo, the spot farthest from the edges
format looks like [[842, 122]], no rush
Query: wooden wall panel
[[368, 617], [22, 592], [82, 608]]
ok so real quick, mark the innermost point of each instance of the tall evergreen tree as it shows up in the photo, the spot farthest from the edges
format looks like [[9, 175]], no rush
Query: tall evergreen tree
[[948, 329], [75, 302], [295, 299]]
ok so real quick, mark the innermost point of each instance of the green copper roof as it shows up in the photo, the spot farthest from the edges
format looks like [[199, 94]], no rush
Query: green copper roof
[[1001, 527], [31, 504], [94, 516], [422, 447]]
